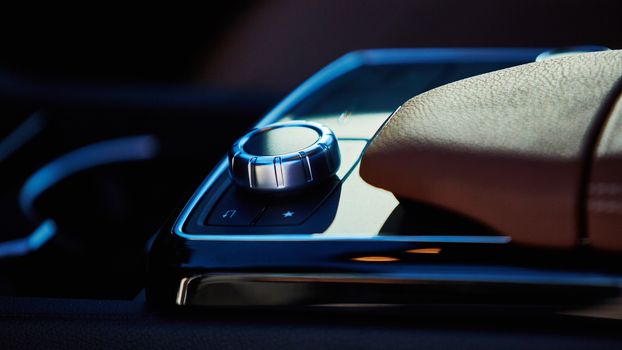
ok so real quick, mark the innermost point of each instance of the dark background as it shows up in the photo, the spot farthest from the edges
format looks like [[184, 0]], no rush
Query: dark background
[[273, 45], [195, 79]]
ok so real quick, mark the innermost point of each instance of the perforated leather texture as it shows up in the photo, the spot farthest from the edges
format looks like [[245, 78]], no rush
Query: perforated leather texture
[[507, 148]]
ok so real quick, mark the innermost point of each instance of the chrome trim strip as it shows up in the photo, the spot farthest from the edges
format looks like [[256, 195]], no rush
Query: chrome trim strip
[[255, 285], [182, 292], [353, 237], [480, 274], [341, 66]]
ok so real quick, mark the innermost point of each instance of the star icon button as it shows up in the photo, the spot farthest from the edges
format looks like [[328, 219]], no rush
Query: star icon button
[[288, 214]]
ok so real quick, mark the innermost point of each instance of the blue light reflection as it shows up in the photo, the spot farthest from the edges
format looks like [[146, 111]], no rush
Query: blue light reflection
[[27, 130], [34, 241], [111, 151]]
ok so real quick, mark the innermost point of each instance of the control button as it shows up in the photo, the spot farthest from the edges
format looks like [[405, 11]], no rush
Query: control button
[[293, 214], [235, 209], [295, 209]]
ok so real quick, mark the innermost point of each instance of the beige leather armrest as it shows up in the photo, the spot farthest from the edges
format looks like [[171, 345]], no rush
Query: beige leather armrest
[[604, 199], [508, 148]]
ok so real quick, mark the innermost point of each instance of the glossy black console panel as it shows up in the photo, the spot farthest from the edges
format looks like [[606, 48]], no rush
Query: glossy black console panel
[[357, 244], [228, 210]]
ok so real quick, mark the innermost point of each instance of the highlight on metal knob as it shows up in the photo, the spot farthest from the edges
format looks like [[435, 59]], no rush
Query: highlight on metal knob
[[284, 156]]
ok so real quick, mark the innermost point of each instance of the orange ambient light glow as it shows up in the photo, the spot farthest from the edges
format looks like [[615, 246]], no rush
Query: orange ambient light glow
[[375, 259], [424, 251]]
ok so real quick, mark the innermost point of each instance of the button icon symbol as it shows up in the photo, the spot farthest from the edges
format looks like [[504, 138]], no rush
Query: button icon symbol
[[288, 214], [229, 214]]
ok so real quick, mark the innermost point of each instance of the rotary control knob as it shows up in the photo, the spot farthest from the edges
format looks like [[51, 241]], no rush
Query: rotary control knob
[[284, 156]]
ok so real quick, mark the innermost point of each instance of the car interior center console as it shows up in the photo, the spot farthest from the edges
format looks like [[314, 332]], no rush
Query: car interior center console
[[302, 250], [285, 219]]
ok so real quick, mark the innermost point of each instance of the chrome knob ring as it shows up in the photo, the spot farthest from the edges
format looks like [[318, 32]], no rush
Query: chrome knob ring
[[284, 156]]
